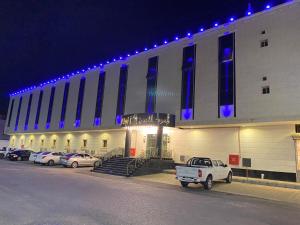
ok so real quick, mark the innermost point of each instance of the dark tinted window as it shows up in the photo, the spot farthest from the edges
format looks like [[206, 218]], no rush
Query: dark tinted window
[[80, 102], [121, 94], [188, 82]]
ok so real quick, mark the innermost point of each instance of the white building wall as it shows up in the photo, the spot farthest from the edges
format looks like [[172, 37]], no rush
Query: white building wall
[[72, 103], [57, 105]]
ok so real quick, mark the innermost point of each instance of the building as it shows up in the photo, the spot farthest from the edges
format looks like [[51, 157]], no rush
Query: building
[[3, 138], [230, 92]]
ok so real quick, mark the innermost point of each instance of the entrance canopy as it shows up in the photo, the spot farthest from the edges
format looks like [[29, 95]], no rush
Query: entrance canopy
[[145, 119]]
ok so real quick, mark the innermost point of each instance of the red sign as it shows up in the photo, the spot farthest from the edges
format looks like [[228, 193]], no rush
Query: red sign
[[234, 160], [132, 151]]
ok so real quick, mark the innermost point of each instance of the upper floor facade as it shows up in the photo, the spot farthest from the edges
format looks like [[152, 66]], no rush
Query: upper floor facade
[[244, 71]]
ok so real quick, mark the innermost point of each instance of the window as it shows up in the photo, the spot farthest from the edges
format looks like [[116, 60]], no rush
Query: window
[[18, 114], [99, 101], [121, 94], [265, 90], [54, 143], [188, 82], [42, 142], [227, 76], [263, 32], [264, 78], [64, 105], [104, 143], [264, 43], [68, 142], [80, 102], [10, 112], [84, 143], [151, 85], [50, 108], [37, 117], [28, 112]]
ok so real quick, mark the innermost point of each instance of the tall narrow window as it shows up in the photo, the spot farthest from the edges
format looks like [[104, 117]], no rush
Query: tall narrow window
[[10, 112], [227, 76], [188, 82], [18, 113], [28, 113], [121, 94], [64, 105], [151, 85], [38, 111], [99, 101], [50, 108], [80, 102]]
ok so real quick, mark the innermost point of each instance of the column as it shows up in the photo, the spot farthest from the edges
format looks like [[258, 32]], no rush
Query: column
[[159, 141], [127, 143]]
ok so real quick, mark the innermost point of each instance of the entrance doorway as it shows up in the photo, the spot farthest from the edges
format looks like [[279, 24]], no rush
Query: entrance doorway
[[151, 149]]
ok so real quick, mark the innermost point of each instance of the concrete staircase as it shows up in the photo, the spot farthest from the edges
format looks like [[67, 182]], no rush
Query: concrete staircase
[[133, 166]]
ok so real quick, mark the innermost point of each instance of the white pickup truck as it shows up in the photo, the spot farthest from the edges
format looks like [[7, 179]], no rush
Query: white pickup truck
[[204, 171]]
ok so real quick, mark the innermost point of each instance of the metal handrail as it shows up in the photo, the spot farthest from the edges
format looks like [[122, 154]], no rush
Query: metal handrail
[[135, 161]]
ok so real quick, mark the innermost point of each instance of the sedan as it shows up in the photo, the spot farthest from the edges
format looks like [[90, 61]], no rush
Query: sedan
[[19, 155], [49, 158], [77, 160], [33, 156]]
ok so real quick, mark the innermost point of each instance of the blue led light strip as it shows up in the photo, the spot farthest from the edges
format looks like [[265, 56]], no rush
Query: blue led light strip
[[249, 12]]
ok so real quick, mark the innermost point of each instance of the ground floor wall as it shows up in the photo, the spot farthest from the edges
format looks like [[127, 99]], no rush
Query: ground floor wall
[[96, 143], [257, 149], [4, 143]]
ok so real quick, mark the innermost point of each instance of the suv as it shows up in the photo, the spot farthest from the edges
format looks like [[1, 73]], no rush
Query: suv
[[19, 155]]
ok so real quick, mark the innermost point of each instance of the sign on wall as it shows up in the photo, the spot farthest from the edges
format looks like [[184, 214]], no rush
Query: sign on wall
[[234, 159]]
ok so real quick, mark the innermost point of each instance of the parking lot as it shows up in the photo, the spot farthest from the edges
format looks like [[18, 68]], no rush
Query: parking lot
[[33, 194]]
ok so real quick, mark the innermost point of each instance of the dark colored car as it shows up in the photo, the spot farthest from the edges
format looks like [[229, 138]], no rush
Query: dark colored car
[[19, 155]]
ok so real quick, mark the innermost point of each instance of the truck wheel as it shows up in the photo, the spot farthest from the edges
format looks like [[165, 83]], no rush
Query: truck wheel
[[229, 178], [208, 183], [184, 184]]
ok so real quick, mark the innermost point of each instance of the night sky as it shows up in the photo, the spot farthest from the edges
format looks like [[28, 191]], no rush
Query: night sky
[[41, 40]]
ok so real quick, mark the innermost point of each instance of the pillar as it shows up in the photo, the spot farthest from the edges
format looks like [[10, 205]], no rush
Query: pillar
[[127, 143], [159, 141]]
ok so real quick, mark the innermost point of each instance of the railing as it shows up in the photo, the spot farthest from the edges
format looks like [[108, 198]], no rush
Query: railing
[[134, 164], [109, 155]]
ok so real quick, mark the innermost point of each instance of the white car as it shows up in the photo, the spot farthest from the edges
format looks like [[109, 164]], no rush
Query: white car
[[33, 156], [203, 171], [49, 158], [76, 160], [4, 151]]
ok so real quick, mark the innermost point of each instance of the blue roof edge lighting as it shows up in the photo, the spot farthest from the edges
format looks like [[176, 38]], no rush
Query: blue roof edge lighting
[[249, 12]]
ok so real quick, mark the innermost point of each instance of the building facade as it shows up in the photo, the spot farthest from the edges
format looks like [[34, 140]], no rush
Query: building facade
[[232, 91]]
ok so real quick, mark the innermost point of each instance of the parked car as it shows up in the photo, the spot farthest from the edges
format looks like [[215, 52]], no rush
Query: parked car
[[76, 160], [2, 153], [33, 156], [49, 158], [19, 155], [204, 171]]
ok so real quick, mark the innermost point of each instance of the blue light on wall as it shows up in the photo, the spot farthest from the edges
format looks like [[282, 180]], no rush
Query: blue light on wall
[[97, 122], [118, 119]]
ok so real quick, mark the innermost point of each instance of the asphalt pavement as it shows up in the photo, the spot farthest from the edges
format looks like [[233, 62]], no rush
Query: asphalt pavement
[[41, 195]]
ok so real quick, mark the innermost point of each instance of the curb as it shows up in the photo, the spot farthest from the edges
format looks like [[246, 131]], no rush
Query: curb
[[270, 183]]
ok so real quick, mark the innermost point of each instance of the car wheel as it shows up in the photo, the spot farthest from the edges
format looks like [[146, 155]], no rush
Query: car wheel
[[184, 184], [208, 183], [1, 156], [96, 164], [74, 164], [229, 178], [19, 158], [50, 163]]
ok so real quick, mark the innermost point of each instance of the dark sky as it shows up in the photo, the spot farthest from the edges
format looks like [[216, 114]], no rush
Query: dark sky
[[42, 39]]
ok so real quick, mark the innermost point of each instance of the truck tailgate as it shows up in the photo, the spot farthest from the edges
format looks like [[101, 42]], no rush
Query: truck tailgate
[[183, 171]]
